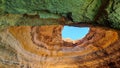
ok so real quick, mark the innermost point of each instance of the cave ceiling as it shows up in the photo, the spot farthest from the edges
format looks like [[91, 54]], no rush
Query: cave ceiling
[[31, 34]]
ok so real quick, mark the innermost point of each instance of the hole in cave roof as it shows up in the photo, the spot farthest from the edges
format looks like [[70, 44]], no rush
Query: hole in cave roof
[[74, 33]]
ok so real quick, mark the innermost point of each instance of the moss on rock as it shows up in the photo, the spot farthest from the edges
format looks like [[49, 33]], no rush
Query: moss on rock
[[80, 10], [2, 6], [76, 10], [114, 13]]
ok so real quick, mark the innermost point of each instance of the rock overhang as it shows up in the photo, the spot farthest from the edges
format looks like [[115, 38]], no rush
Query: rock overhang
[[92, 11], [35, 42], [99, 48]]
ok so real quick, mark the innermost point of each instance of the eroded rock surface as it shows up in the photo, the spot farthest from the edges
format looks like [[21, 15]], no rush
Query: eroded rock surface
[[22, 12], [37, 46], [100, 48], [60, 7]]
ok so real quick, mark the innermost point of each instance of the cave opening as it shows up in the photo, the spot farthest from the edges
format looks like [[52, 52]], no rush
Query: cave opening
[[71, 33]]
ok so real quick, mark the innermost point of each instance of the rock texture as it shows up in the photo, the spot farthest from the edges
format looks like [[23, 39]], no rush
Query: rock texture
[[37, 47], [114, 13], [105, 12], [30, 34], [62, 7]]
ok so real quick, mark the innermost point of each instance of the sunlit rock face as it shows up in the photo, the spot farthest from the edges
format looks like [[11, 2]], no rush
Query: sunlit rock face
[[43, 47]]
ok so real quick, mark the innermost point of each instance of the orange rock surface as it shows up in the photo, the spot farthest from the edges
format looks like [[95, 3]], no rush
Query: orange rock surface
[[43, 47]]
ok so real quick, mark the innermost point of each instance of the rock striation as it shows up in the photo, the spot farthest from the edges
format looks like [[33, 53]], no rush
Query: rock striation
[[30, 34], [37, 47]]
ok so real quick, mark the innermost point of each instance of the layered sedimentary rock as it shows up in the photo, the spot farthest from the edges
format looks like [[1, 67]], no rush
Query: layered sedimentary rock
[[40, 45], [37, 47]]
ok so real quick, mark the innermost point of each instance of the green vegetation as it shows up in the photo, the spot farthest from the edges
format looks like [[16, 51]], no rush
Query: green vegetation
[[78, 10], [75, 10]]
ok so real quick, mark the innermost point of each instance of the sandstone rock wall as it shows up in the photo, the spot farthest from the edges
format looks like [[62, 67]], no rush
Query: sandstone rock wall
[[30, 34], [100, 48]]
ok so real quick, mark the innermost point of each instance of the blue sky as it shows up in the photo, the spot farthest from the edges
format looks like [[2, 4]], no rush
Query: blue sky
[[74, 33]]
